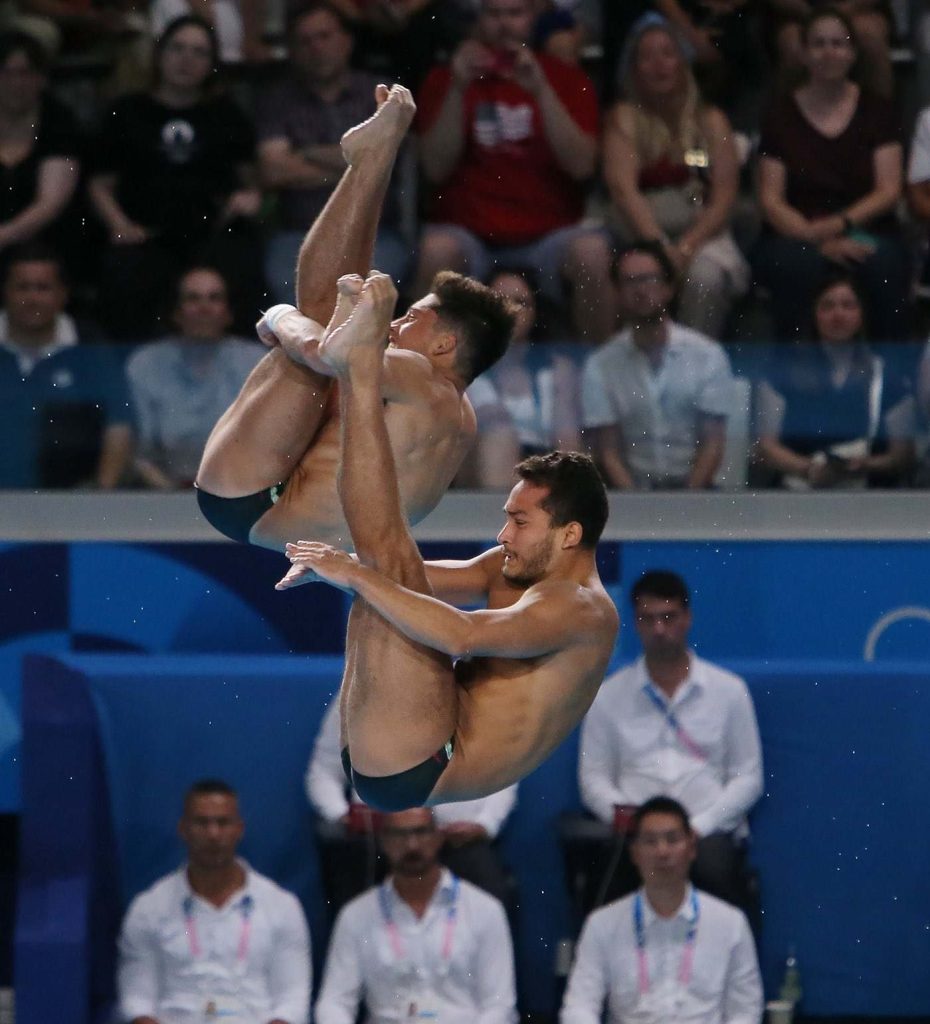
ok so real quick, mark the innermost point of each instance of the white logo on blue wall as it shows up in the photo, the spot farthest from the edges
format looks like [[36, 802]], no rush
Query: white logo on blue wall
[[904, 614]]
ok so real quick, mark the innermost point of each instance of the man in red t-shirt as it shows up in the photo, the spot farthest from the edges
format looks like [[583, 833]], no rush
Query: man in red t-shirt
[[507, 140]]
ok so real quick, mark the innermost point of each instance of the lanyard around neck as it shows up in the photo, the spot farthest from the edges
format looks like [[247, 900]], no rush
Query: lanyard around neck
[[246, 905], [682, 735], [687, 956], [397, 943]]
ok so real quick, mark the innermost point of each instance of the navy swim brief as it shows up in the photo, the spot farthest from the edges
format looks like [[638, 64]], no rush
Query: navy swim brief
[[235, 517], [403, 790]]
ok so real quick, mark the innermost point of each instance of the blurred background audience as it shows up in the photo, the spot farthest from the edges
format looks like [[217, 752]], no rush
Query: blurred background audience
[[759, 145]]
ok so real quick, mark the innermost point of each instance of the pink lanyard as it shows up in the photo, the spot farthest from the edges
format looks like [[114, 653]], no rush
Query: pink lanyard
[[684, 738], [245, 909], [397, 943], [687, 957]]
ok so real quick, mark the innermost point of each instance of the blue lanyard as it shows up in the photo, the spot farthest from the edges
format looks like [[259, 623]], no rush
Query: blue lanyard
[[692, 746], [687, 955], [394, 933]]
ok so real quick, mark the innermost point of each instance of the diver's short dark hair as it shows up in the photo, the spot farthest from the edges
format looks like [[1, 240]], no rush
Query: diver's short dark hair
[[661, 583], [482, 319], [576, 491]]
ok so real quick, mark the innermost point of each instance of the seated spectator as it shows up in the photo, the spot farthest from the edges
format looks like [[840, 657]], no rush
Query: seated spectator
[[721, 34], [537, 380], [301, 121], [918, 177], [655, 397], [423, 945], [488, 465], [398, 39], [672, 723], [114, 35], [239, 25], [872, 24], [184, 383], [214, 939], [668, 952], [507, 140], [173, 183], [830, 171], [469, 828], [558, 30], [672, 170], [64, 405], [922, 475], [832, 413], [39, 167]]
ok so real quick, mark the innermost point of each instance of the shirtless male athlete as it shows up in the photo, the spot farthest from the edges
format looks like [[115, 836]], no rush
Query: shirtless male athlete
[[268, 472], [420, 729]]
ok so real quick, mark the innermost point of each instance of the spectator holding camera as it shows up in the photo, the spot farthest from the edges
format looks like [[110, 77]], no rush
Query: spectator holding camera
[[508, 138]]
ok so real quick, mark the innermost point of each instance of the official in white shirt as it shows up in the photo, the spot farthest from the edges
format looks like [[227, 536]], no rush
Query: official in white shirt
[[424, 945], [470, 827], [669, 953], [675, 724], [215, 939]]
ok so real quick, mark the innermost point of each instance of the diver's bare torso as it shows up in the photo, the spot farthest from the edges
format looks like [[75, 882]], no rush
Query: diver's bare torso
[[429, 439], [513, 712]]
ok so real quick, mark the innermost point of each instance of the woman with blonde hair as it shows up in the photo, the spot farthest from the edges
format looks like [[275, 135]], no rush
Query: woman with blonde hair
[[672, 172]]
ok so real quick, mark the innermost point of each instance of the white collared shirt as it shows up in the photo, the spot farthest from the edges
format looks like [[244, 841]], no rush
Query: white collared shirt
[[657, 410], [250, 958], [325, 784], [629, 751], [411, 980], [65, 335], [724, 985]]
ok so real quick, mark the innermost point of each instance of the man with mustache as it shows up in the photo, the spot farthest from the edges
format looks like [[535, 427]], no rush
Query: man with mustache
[[424, 944]]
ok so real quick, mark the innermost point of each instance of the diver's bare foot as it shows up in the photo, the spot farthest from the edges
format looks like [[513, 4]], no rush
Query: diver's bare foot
[[383, 132], [366, 326], [348, 289]]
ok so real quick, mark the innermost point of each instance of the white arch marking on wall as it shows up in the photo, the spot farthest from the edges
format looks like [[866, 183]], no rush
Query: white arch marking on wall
[[889, 619]]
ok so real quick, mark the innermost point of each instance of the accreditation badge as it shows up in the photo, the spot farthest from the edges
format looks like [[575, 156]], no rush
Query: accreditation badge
[[228, 1009], [422, 1006]]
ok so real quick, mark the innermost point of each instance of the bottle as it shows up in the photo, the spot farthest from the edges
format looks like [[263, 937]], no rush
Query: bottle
[[790, 990]]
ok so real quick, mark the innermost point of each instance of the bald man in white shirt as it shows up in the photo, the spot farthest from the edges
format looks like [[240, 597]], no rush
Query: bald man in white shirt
[[668, 952], [424, 945], [214, 939]]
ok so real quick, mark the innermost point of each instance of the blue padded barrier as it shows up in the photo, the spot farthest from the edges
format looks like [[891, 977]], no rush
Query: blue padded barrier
[[840, 837]]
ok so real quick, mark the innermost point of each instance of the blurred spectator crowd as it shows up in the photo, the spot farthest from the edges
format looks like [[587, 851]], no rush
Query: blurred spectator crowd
[[711, 214]]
